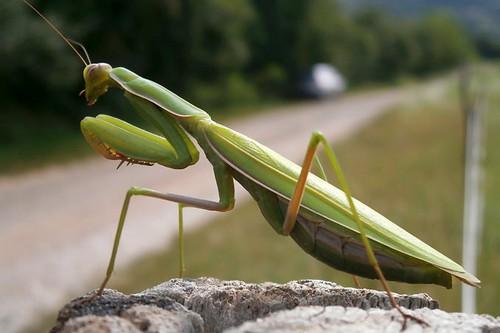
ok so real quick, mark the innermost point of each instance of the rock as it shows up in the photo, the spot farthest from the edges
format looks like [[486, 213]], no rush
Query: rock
[[137, 319], [211, 305], [116, 312], [333, 319], [223, 304], [107, 324]]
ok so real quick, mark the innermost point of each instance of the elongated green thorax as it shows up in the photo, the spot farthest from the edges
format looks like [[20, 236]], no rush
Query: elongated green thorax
[[155, 93]]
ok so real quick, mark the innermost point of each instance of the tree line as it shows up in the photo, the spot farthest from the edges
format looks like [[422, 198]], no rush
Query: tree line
[[216, 53]]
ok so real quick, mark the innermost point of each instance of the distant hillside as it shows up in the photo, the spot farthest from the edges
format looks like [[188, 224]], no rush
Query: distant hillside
[[479, 17]]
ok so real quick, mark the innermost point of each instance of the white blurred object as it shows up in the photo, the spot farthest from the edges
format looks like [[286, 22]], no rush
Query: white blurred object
[[321, 81]]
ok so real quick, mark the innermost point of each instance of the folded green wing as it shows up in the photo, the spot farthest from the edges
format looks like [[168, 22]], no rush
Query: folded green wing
[[279, 175]]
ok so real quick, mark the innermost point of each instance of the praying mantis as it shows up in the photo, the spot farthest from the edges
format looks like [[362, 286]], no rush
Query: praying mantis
[[325, 221]]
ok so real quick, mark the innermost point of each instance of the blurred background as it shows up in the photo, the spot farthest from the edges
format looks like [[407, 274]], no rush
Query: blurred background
[[274, 70]]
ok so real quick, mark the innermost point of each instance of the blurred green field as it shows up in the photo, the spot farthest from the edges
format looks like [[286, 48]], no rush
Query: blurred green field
[[407, 165]]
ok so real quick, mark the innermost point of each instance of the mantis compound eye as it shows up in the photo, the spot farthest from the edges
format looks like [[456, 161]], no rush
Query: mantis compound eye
[[95, 71], [92, 69]]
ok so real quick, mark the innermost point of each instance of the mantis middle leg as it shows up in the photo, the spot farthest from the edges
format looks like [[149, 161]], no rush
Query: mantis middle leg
[[226, 202]]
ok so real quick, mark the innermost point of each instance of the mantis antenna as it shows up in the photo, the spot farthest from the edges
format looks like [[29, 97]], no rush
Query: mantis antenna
[[60, 34], [82, 47]]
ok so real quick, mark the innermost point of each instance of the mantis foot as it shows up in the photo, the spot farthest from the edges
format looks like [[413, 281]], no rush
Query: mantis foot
[[101, 289], [407, 316]]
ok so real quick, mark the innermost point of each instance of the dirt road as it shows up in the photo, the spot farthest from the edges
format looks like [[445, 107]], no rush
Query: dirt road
[[57, 224]]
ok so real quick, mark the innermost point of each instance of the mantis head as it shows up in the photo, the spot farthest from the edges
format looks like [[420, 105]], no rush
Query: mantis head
[[97, 81]]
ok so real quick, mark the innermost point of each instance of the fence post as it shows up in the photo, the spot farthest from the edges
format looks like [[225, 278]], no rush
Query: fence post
[[473, 109]]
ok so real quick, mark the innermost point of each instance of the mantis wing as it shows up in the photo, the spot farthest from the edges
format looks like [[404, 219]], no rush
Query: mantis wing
[[279, 175]]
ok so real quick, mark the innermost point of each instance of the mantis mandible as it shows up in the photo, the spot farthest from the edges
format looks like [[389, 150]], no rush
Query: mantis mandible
[[325, 221]]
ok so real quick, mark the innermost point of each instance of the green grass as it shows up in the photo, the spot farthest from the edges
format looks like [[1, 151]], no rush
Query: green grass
[[407, 165], [489, 265]]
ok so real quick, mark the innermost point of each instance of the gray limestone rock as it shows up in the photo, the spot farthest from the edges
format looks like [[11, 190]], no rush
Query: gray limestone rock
[[336, 319], [224, 304], [211, 305], [116, 312]]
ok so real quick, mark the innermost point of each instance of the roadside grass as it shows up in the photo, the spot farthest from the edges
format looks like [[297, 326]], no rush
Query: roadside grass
[[489, 265], [407, 165]]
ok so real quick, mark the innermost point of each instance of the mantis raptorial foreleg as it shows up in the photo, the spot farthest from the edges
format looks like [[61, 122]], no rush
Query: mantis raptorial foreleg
[[294, 206]]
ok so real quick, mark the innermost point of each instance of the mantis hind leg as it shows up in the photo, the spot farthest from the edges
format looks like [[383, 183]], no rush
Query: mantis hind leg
[[181, 200], [294, 205]]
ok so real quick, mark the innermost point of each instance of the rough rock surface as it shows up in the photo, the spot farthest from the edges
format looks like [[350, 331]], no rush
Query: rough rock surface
[[211, 305], [339, 319], [137, 319]]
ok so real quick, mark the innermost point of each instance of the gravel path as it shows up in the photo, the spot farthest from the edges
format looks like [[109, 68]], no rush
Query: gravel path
[[57, 224]]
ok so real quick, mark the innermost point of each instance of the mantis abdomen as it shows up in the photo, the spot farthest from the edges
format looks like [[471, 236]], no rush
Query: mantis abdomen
[[341, 249]]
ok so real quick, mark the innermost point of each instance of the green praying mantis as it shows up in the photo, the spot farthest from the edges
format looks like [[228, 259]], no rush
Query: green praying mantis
[[325, 221]]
